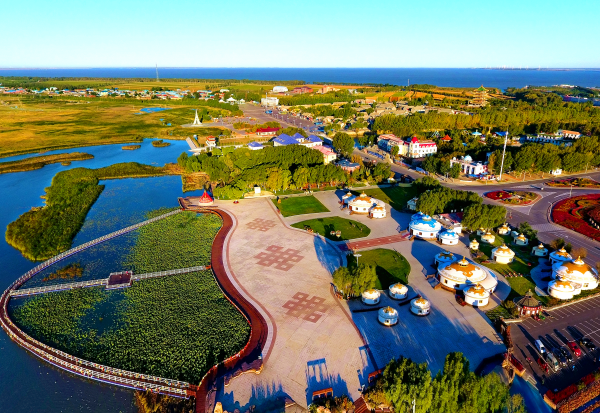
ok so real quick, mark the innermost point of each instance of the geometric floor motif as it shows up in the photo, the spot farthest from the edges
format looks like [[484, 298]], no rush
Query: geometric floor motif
[[278, 257], [260, 224], [309, 309]]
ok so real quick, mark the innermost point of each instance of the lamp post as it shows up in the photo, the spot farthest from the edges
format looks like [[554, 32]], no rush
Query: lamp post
[[503, 153], [357, 255]]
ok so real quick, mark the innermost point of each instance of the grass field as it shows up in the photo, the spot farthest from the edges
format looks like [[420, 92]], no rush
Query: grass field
[[29, 124], [395, 196], [390, 266], [299, 205], [349, 229], [37, 162]]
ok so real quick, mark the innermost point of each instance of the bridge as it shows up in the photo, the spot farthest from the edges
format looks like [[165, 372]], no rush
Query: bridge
[[24, 292]]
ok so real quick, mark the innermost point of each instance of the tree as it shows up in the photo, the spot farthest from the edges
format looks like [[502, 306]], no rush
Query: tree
[[405, 381], [343, 143], [483, 216], [394, 151], [515, 404], [455, 171], [525, 229], [430, 164]]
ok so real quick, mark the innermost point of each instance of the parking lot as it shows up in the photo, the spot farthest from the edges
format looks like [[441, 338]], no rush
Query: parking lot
[[564, 325]]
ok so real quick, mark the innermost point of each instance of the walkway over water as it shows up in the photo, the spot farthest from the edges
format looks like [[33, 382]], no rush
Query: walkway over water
[[100, 282]]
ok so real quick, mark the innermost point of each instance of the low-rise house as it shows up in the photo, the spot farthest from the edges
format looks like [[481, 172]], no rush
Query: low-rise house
[[329, 154], [255, 146], [266, 131], [470, 167], [297, 139], [348, 166]]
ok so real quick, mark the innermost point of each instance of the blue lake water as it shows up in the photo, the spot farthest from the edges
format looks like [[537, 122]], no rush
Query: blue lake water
[[28, 384], [394, 76]]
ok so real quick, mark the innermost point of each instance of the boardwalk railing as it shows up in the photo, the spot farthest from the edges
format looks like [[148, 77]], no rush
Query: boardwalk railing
[[99, 282], [83, 367]]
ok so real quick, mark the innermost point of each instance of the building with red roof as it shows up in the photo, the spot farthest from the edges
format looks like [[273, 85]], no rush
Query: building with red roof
[[267, 131], [206, 199]]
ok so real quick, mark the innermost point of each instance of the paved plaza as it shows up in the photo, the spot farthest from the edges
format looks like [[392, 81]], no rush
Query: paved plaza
[[318, 340]]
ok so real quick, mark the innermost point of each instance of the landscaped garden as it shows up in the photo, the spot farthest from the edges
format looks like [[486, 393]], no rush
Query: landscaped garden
[[580, 213], [335, 228], [175, 327], [576, 182], [299, 205], [513, 197], [395, 196], [390, 266]]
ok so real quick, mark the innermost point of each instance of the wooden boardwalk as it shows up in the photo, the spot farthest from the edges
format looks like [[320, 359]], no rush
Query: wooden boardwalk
[[23, 292]]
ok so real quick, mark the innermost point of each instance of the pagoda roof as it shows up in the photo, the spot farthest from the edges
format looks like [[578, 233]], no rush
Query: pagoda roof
[[206, 198], [481, 89]]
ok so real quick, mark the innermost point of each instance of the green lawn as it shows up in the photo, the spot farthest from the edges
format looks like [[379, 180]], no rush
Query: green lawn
[[520, 262], [395, 196], [299, 205], [350, 229], [390, 266]]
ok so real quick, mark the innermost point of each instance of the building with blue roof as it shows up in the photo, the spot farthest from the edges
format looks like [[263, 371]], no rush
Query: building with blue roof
[[255, 146], [297, 139]]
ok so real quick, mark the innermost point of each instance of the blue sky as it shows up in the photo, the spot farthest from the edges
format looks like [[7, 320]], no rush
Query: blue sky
[[325, 33]]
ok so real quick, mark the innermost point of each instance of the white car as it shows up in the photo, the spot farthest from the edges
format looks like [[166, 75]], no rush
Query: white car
[[540, 347]]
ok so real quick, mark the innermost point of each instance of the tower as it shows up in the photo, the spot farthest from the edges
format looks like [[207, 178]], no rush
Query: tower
[[157, 73], [197, 120]]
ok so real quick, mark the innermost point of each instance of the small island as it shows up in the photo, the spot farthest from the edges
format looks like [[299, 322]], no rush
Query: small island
[[131, 147], [160, 144], [37, 162]]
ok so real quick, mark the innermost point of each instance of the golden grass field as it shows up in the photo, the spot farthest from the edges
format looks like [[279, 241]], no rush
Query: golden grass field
[[35, 125]]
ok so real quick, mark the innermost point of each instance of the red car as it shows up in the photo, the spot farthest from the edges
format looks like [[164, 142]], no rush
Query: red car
[[574, 348]]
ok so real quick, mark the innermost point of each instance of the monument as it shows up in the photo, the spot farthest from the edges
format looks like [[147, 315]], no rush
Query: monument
[[195, 124]]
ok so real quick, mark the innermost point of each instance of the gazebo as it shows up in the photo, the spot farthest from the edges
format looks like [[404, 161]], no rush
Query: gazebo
[[206, 199], [420, 306], [521, 240], [388, 316], [539, 251], [488, 238], [528, 305], [474, 245], [371, 297], [398, 291], [504, 229], [503, 254]]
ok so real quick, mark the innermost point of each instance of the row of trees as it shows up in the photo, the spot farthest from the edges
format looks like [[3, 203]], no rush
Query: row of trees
[[454, 390], [351, 281], [331, 97]]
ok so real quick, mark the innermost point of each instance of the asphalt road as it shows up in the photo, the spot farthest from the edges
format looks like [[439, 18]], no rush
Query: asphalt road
[[567, 324]]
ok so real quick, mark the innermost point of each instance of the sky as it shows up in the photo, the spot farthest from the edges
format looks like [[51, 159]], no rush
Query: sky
[[308, 33]]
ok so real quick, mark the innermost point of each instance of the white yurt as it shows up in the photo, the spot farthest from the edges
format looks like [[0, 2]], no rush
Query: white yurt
[[503, 254], [477, 296], [488, 238], [474, 245], [521, 240], [378, 212], [504, 229], [371, 297], [448, 237], [425, 227], [539, 251], [563, 290], [420, 306], [560, 256], [578, 272], [461, 274], [387, 316], [398, 291], [443, 258], [361, 204]]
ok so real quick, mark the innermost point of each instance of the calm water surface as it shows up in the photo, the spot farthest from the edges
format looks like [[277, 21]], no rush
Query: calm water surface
[[29, 385]]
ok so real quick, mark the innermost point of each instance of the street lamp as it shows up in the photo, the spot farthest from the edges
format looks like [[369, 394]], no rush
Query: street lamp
[[503, 153], [357, 255]]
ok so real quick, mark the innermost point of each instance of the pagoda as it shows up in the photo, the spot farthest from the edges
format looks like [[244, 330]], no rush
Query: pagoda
[[205, 199], [480, 96]]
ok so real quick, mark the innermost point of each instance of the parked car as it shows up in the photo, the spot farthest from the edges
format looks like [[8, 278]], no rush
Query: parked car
[[559, 356], [574, 348], [587, 343], [566, 354], [552, 361], [540, 347]]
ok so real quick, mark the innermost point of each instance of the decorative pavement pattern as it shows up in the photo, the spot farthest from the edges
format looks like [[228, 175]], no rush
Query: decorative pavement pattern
[[279, 258], [309, 309], [373, 242], [260, 224]]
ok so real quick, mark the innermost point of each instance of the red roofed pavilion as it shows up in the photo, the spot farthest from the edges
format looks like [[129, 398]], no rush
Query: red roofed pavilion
[[205, 199]]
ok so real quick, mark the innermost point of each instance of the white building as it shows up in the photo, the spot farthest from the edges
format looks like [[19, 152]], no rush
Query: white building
[[448, 237], [280, 89], [504, 229], [560, 256], [412, 204], [474, 245], [444, 258], [576, 271], [477, 296], [521, 240], [420, 306], [398, 291], [371, 297], [461, 274], [423, 226], [269, 101], [378, 212], [503, 254], [563, 290], [488, 238], [418, 149], [361, 204], [469, 167], [328, 154], [539, 251], [387, 316]]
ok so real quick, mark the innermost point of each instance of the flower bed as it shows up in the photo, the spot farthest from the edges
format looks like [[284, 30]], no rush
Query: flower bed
[[513, 197], [574, 213], [577, 182]]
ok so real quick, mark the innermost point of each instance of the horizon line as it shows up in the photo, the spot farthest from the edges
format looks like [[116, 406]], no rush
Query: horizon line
[[300, 67]]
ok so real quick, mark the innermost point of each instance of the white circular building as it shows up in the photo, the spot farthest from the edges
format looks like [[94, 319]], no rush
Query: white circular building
[[443, 258], [563, 290], [387, 316], [361, 204], [420, 306], [425, 227], [280, 89], [461, 274], [560, 256], [503, 254], [504, 229], [371, 297], [577, 272], [377, 212], [477, 296], [398, 291], [474, 245], [539, 251], [416, 216], [488, 238], [521, 240], [448, 237]]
